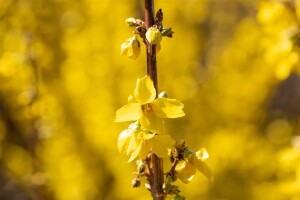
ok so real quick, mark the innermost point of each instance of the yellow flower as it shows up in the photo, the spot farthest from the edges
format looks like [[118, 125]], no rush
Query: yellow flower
[[153, 36], [131, 48], [138, 142], [185, 170], [147, 109]]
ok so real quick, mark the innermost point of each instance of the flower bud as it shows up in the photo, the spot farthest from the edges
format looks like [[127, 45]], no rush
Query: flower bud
[[180, 144], [136, 182], [130, 21], [153, 36], [131, 48]]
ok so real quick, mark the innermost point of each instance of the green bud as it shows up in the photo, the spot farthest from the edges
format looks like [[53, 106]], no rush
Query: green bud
[[167, 32], [141, 167], [189, 154], [153, 36]]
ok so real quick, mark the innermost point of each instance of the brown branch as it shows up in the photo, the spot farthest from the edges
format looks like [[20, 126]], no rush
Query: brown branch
[[157, 163]]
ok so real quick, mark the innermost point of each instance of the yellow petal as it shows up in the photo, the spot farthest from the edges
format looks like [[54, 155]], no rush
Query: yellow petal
[[133, 144], [167, 108], [135, 152], [129, 112], [202, 167], [144, 91], [145, 150], [150, 121], [123, 140], [185, 171], [160, 145], [144, 135], [124, 47]]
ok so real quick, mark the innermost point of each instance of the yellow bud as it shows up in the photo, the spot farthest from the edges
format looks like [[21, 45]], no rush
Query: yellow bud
[[130, 21], [153, 36], [131, 48]]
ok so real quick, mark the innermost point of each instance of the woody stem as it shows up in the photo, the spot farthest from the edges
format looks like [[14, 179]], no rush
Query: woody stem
[[157, 163]]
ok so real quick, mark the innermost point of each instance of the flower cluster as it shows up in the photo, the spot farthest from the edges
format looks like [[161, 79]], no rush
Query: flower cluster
[[137, 142], [147, 133], [147, 111], [154, 34]]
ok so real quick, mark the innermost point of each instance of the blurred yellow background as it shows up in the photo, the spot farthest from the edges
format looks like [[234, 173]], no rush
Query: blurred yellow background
[[233, 63]]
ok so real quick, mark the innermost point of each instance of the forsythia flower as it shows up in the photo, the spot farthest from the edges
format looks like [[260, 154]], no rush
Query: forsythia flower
[[148, 110], [131, 48], [185, 170], [137, 142], [153, 36]]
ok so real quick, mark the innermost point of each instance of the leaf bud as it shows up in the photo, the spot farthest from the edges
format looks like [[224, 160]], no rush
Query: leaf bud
[[167, 32], [153, 36], [141, 167]]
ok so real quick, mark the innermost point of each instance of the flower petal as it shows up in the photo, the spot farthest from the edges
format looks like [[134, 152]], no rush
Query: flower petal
[[160, 145], [185, 171], [129, 112], [145, 150], [167, 108], [144, 91], [202, 154], [144, 135], [202, 167], [123, 140], [135, 152], [151, 122], [133, 144]]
